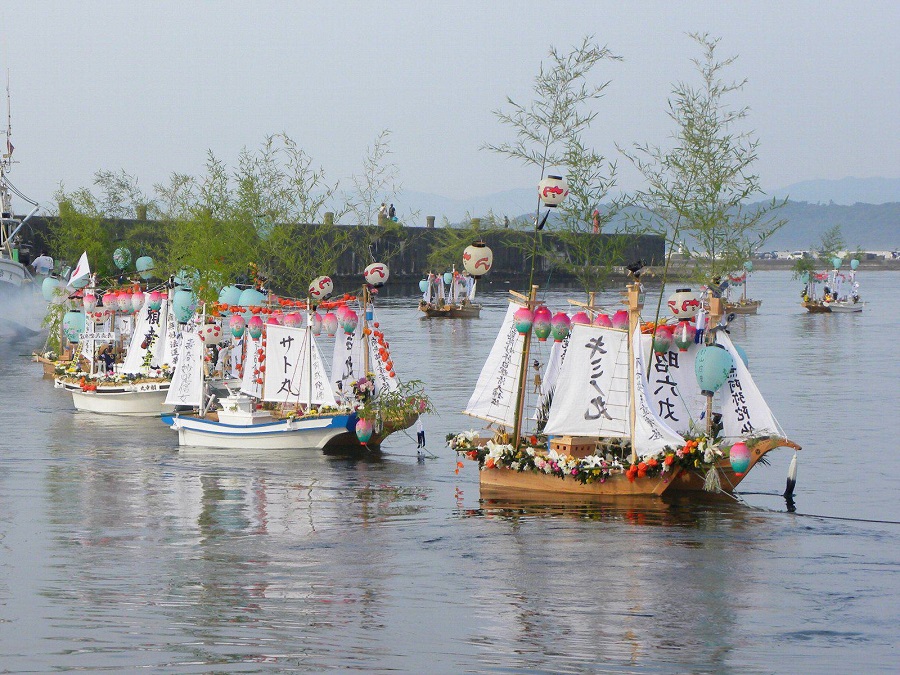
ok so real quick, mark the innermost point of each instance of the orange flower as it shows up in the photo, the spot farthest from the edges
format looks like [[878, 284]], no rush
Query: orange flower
[[489, 463], [652, 462], [459, 464], [670, 459]]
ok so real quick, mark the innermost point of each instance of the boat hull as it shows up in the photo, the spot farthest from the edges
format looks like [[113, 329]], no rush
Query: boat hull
[[816, 307], [135, 400], [297, 434], [845, 307], [679, 481], [450, 311], [749, 307]]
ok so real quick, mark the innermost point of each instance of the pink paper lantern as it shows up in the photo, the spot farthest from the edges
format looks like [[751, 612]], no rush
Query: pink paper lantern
[[137, 300], [237, 324], [123, 301], [255, 326], [316, 323], [561, 326], [739, 455], [154, 300], [329, 324], [684, 335], [581, 317], [620, 319], [542, 326], [90, 302], [109, 301], [662, 340], [349, 321], [603, 320], [293, 320], [524, 319]]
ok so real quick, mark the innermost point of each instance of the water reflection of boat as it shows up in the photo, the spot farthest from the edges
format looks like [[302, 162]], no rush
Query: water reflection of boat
[[609, 428]]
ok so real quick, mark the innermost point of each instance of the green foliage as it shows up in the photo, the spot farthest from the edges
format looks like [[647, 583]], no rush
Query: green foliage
[[450, 242], [831, 244], [697, 191], [398, 408]]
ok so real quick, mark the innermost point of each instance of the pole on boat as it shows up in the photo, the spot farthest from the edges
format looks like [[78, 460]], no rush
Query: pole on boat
[[634, 321], [309, 353], [716, 310], [365, 330], [523, 372]]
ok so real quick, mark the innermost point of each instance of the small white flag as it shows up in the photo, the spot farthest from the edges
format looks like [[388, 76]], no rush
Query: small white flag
[[82, 270]]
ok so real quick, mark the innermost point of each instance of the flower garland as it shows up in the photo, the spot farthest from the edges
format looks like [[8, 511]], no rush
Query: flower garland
[[701, 454]]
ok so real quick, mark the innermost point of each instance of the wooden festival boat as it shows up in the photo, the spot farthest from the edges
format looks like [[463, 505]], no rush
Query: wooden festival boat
[[464, 310], [604, 436], [743, 307]]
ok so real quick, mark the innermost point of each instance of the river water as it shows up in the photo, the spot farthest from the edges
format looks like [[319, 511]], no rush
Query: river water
[[118, 551]]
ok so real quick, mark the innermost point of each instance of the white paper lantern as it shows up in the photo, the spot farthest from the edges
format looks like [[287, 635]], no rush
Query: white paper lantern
[[321, 288], [684, 304], [376, 274], [478, 259], [552, 190]]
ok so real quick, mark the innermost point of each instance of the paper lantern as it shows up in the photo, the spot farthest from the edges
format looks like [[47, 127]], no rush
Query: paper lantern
[[237, 324], [329, 324], [89, 300], [109, 301], [274, 319], [316, 323], [552, 190], [49, 287], [523, 319], [542, 325], [620, 319], [211, 334], [684, 335], [230, 295], [73, 325], [603, 320], [581, 317], [748, 266], [711, 368], [123, 301], [561, 326], [684, 304], [349, 321], [364, 430], [448, 278], [250, 297], [184, 302], [137, 300], [804, 278], [739, 455], [144, 266], [154, 300], [376, 274], [293, 320], [662, 340], [836, 262], [854, 264], [478, 259], [423, 285], [321, 288], [122, 257], [255, 326]]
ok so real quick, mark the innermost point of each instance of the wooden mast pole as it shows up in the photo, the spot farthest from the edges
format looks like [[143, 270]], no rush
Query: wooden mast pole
[[716, 310], [523, 372], [365, 330], [633, 298]]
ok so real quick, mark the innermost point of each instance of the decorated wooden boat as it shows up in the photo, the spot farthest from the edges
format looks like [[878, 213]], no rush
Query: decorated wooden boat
[[465, 310], [615, 425], [834, 292], [452, 295], [741, 304]]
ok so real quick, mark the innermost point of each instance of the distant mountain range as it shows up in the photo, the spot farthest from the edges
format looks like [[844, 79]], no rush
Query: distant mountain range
[[867, 209]]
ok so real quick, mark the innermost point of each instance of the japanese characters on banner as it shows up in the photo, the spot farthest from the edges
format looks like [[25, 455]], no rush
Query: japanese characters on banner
[[170, 347], [672, 389], [594, 401], [744, 411], [494, 398], [347, 362], [148, 336], [383, 380], [294, 372], [251, 381], [651, 433], [187, 381]]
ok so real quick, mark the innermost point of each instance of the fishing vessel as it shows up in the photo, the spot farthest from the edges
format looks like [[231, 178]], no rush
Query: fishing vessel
[[286, 399], [616, 424]]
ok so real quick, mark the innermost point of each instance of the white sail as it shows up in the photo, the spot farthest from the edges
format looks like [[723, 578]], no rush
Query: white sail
[[170, 343], [249, 383], [494, 398], [148, 337], [347, 363], [744, 411], [187, 381], [651, 433], [294, 369], [593, 396], [382, 378], [673, 390], [235, 356], [551, 372]]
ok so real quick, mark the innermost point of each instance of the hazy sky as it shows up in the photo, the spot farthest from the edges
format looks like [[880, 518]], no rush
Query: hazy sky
[[150, 87]]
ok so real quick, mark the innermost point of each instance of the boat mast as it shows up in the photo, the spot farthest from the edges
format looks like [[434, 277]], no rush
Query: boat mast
[[716, 310], [365, 330], [523, 372], [309, 386], [634, 321]]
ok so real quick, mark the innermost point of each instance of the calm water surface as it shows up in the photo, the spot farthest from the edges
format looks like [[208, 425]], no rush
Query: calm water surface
[[119, 551]]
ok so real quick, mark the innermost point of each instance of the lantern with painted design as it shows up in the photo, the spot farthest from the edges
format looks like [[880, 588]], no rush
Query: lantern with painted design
[[293, 320], [364, 430], [349, 321], [542, 323], [684, 304], [211, 334], [255, 326], [581, 317], [662, 340], [237, 324], [122, 257], [739, 456], [154, 300], [137, 300], [329, 324], [376, 274], [685, 332], [711, 368], [321, 288], [144, 266], [620, 319], [316, 323], [184, 302], [561, 324], [523, 319], [552, 190], [73, 325], [123, 301], [478, 259], [90, 300], [603, 320]]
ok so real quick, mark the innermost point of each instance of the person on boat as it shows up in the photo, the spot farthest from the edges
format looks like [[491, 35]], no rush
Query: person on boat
[[537, 377], [106, 358], [42, 264]]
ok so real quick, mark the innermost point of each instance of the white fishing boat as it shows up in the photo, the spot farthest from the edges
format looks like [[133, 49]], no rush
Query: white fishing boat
[[452, 295], [22, 308], [616, 425]]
